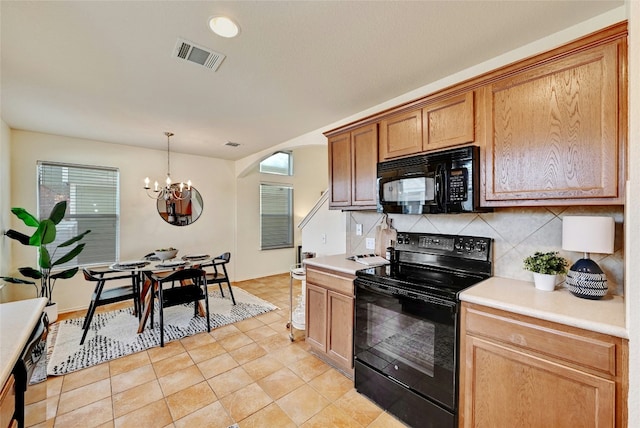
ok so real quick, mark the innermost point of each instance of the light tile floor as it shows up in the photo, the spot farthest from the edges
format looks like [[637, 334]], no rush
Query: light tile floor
[[248, 373]]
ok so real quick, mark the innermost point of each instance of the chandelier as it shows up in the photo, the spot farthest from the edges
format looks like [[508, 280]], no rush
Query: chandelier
[[170, 191]]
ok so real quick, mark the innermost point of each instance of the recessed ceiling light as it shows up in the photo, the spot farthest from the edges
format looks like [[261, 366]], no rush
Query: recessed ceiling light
[[223, 26]]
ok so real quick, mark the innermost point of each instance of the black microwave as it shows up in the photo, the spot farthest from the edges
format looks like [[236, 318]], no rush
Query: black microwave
[[432, 183]]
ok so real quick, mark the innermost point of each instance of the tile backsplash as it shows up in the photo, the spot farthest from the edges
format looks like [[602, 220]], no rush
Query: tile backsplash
[[516, 232]]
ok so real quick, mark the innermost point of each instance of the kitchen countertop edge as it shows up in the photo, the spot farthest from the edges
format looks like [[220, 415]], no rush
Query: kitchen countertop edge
[[336, 262], [17, 320], [605, 316]]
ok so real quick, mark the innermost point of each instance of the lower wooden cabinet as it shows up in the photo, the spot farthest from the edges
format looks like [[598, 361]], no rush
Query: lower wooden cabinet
[[521, 371], [8, 404], [340, 329], [316, 317], [329, 317]]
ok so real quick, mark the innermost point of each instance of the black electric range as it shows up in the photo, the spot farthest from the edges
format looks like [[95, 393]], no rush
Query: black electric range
[[406, 325]]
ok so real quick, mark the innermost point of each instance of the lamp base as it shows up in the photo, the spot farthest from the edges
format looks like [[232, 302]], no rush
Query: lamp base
[[585, 279]]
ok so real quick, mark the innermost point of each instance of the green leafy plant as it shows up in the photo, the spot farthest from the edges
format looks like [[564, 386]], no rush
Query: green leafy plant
[[45, 234], [548, 263]]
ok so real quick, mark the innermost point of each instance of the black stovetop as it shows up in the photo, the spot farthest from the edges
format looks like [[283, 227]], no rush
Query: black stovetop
[[435, 264]]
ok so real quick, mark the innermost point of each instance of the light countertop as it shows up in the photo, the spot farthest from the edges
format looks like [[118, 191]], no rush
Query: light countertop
[[604, 316], [337, 262], [17, 320]]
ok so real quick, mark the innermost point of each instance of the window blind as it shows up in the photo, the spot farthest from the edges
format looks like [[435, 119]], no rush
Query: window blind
[[276, 216], [92, 195]]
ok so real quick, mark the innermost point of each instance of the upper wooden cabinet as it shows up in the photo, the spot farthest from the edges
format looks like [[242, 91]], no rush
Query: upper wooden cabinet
[[401, 134], [340, 170], [552, 128], [449, 122], [443, 123], [353, 157], [554, 132]]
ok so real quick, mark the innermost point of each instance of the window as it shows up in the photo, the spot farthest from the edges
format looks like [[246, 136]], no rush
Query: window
[[92, 204], [276, 216], [278, 163]]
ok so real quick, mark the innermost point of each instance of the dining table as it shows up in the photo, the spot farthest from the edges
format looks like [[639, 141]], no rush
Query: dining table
[[147, 272]]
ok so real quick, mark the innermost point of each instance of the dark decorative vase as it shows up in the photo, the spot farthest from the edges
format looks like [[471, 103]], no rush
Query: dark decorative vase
[[585, 279]]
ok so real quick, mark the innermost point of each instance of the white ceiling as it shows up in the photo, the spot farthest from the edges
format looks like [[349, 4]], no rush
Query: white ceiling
[[104, 70]]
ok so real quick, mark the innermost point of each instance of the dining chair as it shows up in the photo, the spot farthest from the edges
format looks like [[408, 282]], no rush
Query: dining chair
[[219, 274], [103, 296], [188, 285]]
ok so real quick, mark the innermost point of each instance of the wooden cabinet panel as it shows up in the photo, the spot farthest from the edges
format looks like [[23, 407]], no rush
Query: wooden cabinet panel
[[329, 323], [7, 402], [353, 157], [316, 317], [449, 122], [331, 281], [585, 351], [553, 131], [401, 134], [340, 170], [521, 371], [512, 389], [340, 328], [364, 159]]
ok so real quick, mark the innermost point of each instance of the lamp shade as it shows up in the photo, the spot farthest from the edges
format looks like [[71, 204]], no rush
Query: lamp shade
[[588, 234]]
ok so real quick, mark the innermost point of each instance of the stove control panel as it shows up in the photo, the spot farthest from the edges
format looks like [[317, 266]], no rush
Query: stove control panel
[[467, 247]]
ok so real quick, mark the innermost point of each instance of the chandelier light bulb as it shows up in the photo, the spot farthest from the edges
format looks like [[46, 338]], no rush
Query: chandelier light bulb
[[169, 191]]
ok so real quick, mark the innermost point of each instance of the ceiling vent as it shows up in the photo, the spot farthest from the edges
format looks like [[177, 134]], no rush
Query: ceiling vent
[[189, 51]]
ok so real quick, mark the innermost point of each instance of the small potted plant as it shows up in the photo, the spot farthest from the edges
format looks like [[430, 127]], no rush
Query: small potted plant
[[546, 267], [45, 234]]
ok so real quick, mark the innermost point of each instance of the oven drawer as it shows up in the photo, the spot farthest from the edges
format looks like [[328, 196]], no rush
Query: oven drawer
[[578, 347], [331, 281]]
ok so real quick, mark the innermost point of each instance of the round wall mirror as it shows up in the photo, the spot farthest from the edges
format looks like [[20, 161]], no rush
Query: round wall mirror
[[181, 212]]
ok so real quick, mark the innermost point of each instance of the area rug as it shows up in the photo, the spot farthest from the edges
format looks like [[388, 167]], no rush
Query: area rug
[[114, 334]]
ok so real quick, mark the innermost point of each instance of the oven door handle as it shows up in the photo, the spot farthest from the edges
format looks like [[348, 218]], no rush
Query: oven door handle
[[395, 292]]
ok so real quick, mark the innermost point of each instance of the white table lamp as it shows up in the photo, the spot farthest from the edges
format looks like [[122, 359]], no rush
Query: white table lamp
[[587, 234]]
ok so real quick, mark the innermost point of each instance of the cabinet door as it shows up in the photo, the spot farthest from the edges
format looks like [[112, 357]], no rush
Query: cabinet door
[[448, 122], [340, 170], [316, 317], [505, 387], [364, 159], [401, 134], [7, 402], [340, 328], [553, 132]]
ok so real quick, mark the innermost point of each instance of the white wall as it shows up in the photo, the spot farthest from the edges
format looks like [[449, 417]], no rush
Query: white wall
[[309, 180], [326, 232], [141, 228], [5, 204]]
